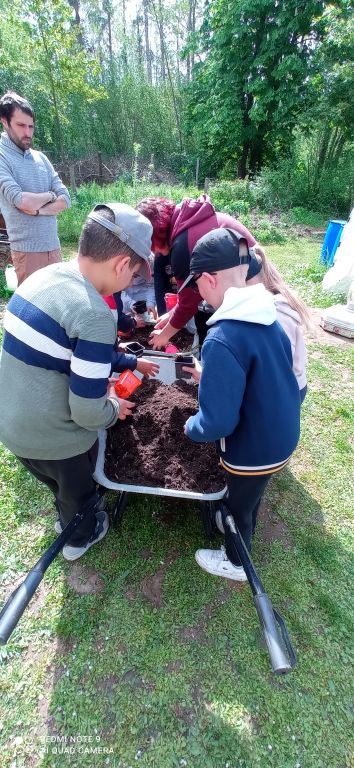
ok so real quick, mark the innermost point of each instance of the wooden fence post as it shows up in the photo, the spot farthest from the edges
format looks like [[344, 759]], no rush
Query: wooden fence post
[[72, 178], [100, 167], [197, 173]]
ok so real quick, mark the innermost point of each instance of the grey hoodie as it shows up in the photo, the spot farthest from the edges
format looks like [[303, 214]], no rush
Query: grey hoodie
[[28, 171]]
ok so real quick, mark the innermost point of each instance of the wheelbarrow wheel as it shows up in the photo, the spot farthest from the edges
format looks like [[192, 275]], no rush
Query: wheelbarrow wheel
[[119, 509]]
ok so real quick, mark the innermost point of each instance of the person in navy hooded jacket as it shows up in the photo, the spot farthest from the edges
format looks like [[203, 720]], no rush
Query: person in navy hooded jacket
[[249, 401]]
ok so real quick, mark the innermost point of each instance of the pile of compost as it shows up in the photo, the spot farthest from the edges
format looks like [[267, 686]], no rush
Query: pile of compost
[[151, 449]]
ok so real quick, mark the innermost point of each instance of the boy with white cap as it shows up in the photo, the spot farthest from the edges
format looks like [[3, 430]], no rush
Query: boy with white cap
[[249, 400], [56, 361]]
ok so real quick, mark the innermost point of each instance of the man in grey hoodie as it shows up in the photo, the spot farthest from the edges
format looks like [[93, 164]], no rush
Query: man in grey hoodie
[[31, 192]]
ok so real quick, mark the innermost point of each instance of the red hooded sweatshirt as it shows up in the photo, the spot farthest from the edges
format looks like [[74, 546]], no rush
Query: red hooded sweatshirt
[[190, 221]]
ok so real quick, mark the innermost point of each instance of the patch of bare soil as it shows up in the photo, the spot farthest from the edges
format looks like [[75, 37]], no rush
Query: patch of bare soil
[[318, 335], [184, 713], [84, 581], [135, 681], [107, 684], [151, 587], [272, 529], [174, 666]]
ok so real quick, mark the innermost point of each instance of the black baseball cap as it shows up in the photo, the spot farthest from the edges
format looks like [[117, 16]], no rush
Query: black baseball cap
[[254, 267], [219, 249]]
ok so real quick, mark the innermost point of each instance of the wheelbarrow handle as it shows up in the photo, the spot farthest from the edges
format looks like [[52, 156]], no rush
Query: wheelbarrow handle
[[278, 659], [281, 652], [19, 599]]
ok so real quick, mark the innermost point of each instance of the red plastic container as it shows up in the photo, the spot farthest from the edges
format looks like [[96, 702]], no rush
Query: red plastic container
[[126, 384], [170, 300], [171, 349]]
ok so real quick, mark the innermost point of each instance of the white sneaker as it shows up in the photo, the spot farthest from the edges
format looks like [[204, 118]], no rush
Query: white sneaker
[[216, 562]]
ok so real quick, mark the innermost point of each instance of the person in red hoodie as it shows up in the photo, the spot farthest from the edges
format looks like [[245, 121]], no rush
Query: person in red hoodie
[[176, 230]]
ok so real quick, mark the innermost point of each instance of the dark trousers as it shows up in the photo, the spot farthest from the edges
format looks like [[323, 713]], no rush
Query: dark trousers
[[162, 283], [73, 486], [243, 497], [201, 325]]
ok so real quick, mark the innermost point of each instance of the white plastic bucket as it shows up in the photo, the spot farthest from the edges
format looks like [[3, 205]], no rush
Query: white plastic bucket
[[11, 278]]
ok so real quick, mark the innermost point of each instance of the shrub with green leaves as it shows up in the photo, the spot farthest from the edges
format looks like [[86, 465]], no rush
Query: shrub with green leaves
[[232, 196]]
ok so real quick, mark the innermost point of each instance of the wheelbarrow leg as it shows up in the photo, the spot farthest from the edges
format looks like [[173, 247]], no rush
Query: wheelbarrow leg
[[208, 515], [119, 509]]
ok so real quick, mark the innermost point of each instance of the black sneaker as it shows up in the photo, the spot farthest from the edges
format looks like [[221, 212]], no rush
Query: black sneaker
[[101, 506], [102, 525]]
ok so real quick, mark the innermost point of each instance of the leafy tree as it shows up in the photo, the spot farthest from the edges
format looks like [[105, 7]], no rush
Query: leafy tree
[[252, 86]]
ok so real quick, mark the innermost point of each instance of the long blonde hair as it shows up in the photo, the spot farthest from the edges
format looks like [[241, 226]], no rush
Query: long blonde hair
[[274, 283]]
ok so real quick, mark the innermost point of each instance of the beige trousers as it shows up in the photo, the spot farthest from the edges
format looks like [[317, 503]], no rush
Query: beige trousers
[[26, 263]]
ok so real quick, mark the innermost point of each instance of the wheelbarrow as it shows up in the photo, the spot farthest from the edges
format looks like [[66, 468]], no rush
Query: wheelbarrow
[[275, 633], [281, 652]]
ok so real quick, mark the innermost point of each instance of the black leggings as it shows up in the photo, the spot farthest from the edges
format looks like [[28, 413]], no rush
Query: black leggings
[[201, 325], [162, 281], [244, 494], [73, 486]]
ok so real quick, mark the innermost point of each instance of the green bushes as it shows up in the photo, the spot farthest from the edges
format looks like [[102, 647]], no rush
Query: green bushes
[[233, 197], [88, 195], [297, 182]]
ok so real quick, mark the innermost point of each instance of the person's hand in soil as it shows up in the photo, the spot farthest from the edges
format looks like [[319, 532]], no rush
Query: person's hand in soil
[[162, 321], [125, 408], [147, 368], [159, 338], [195, 372], [140, 322]]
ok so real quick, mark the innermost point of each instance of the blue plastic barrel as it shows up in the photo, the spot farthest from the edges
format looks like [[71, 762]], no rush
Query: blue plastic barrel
[[331, 241]]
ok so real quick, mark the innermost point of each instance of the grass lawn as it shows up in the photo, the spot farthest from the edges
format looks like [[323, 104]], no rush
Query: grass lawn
[[135, 656]]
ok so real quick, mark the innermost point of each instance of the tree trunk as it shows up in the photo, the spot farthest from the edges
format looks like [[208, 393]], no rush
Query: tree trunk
[[139, 40], [162, 42], [75, 5], [109, 13], [147, 44], [124, 44], [242, 162], [190, 28]]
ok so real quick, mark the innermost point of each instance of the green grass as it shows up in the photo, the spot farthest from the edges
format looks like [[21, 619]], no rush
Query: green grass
[[183, 679]]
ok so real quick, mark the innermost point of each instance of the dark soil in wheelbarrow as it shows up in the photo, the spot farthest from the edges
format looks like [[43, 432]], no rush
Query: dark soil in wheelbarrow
[[183, 340], [151, 449]]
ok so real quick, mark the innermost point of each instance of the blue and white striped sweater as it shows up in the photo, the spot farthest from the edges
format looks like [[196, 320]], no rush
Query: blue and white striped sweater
[[56, 359], [36, 339]]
